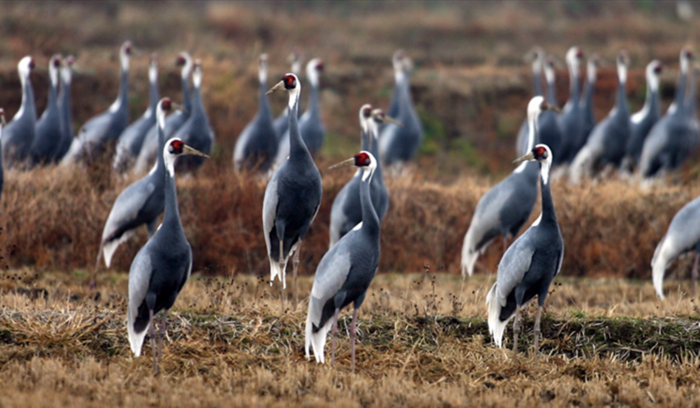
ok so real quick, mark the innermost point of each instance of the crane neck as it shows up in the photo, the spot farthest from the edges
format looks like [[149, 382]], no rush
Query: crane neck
[[574, 85], [551, 87], [537, 81], [690, 99], [153, 94], [297, 147], [621, 103], [186, 102], [370, 219], [172, 212], [314, 107], [679, 97], [28, 104], [160, 133], [263, 105], [548, 213]]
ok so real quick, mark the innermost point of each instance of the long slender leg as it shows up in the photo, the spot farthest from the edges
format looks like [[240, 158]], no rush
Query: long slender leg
[[152, 333], [537, 331], [335, 334], [161, 335], [283, 278], [694, 274], [352, 337], [295, 267], [516, 329]]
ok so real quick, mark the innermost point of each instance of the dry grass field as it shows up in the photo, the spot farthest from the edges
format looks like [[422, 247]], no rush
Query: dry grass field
[[423, 341], [423, 337]]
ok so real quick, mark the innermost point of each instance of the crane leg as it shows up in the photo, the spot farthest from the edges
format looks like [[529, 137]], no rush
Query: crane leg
[[334, 334], [353, 327], [295, 267], [161, 335], [537, 331], [152, 334], [694, 274], [283, 278], [516, 329]]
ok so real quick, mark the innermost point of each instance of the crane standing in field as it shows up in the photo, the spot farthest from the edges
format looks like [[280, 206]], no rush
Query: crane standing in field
[[64, 104], [151, 148], [644, 120], [346, 270], [161, 268], [683, 236], [258, 142], [506, 207], [660, 153], [346, 211], [140, 203], [529, 265], [292, 197], [107, 126], [47, 137], [131, 140], [606, 145], [19, 133]]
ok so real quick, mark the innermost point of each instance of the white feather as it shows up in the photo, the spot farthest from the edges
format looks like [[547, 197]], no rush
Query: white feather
[[110, 248], [496, 326]]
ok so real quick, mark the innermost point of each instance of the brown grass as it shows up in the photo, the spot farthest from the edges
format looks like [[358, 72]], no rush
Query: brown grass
[[422, 341]]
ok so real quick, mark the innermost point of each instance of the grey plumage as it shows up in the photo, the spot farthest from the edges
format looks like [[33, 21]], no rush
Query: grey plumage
[[2, 128], [161, 268], [149, 149], [346, 211], [660, 152], [529, 265], [131, 140], [346, 270], [196, 131], [141, 203], [506, 207], [106, 127], [19, 134], [571, 119], [399, 144], [310, 124], [48, 135], [683, 236], [549, 131], [257, 144], [589, 120], [608, 140], [644, 120], [64, 105], [293, 195]]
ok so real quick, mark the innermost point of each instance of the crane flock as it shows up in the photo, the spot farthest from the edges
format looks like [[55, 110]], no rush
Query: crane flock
[[551, 143]]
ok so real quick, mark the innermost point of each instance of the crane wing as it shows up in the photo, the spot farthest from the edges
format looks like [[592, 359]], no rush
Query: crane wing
[[127, 206], [514, 265], [270, 208], [331, 274]]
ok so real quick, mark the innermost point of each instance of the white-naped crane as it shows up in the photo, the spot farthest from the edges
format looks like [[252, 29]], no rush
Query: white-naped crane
[[48, 136], [131, 140], [141, 203], [292, 197], [537, 56], [107, 126], [571, 118], [683, 236], [161, 268], [281, 124], [606, 145], [18, 135], [256, 146], [644, 120], [346, 271], [151, 148], [505, 208], [346, 211], [661, 152], [310, 124], [529, 265]]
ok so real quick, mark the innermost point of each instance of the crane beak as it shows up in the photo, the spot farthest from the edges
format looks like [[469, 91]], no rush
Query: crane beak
[[528, 157], [389, 119], [553, 108], [186, 150], [345, 163], [278, 86]]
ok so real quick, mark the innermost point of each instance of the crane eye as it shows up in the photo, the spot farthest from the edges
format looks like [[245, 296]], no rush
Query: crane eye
[[176, 146], [290, 81], [540, 153], [366, 112]]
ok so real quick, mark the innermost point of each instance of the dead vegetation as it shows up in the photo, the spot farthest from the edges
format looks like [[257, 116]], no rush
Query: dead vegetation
[[423, 341]]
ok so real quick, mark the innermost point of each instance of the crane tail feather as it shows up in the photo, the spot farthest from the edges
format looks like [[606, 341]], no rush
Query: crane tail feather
[[135, 338], [110, 247], [658, 265], [496, 326], [277, 270], [469, 257], [317, 341]]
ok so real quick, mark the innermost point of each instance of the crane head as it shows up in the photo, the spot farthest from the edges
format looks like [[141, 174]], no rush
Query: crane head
[[177, 147], [128, 48], [539, 153], [380, 118], [289, 81], [363, 160]]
